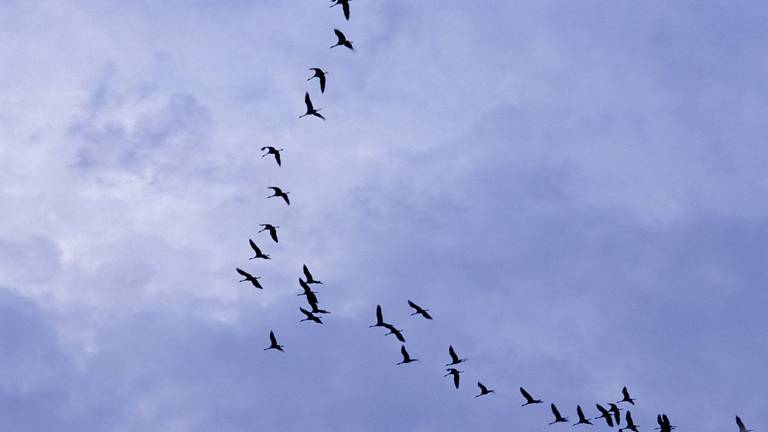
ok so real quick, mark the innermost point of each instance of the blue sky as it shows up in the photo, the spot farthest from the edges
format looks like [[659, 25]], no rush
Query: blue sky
[[575, 190]]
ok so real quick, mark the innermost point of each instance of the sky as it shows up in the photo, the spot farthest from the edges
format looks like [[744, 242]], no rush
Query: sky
[[575, 190]]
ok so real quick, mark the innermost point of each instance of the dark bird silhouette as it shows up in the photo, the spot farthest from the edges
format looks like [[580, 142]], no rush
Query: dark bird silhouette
[[394, 331], [277, 192], [257, 251], [308, 275], [742, 428], [529, 400], [483, 390], [616, 411], [343, 41], [582, 419], [273, 343], [250, 278], [272, 151], [604, 414], [626, 398], [558, 417], [454, 358], [455, 372], [630, 423], [406, 357], [310, 316], [379, 318], [311, 298], [319, 74], [419, 310], [664, 424], [344, 5], [310, 108], [272, 230]]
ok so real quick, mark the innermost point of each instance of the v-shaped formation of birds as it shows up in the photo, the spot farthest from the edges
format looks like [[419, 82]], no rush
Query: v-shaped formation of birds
[[611, 415]]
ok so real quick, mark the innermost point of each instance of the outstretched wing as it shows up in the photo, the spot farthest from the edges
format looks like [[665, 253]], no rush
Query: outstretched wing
[[243, 272], [340, 35], [277, 158], [308, 102], [555, 411], [452, 353], [254, 247], [322, 83], [345, 6], [483, 389], [456, 379], [379, 314], [740, 423], [272, 338], [526, 395], [404, 353], [273, 234]]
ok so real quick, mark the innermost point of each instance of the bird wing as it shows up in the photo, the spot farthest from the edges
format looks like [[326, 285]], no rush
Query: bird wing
[[308, 102], [277, 158], [322, 83], [345, 6], [254, 247], [555, 411], [525, 394], [452, 353], [306, 312], [483, 389], [273, 234], [285, 197], [272, 338], [307, 274], [602, 410], [243, 272], [317, 114], [625, 392], [413, 305], [740, 423], [404, 353], [397, 334], [379, 314], [629, 418], [579, 412], [340, 35], [456, 379], [426, 314]]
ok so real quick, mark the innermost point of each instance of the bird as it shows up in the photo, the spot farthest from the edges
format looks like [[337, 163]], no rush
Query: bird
[[379, 318], [558, 417], [454, 358], [626, 398], [419, 310], [272, 230], [483, 390], [249, 277], [630, 423], [529, 400], [343, 41], [664, 424], [455, 372], [272, 151], [406, 357], [308, 275], [740, 423], [311, 298], [273, 343], [616, 411], [605, 414], [344, 5], [257, 251], [319, 74], [277, 192], [310, 316], [582, 419], [310, 108], [394, 331]]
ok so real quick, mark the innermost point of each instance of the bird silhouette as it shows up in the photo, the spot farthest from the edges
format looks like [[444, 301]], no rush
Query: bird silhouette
[[419, 310], [273, 343], [257, 251], [394, 331], [604, 414], [664, 424], [630, 423], [616, 411], [455, 372], [344, 5], [454, 358], [379, 318], [558, 417], [250, 278], [582, 419], [483, 390], [311, 298], [319, 74], [529, 400], [310, 316], [277, 192], [626, 398], [406, 357], [308, 275], [272, 230], [310, 108], [272, 151], [742, 428], [343, 41]]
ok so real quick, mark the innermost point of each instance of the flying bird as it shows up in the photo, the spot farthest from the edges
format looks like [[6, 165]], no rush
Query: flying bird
[[344, 5], [379, 318], [664, 424], [558, 417], [311, 298], [343, 41], [394, 331], [455, 372], [310, 316], [272, 230], [604, 414], [740, 423], [308, 275], [272, 151], [454, 358], [483, 390], [630, 423], [616, 411], [310, 108], [419, 310], [257, 251], [529, 400], [319, 74], [626, 398], [406, 357], [273, 343], [277, 192], [250, 278], [582, 418]]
